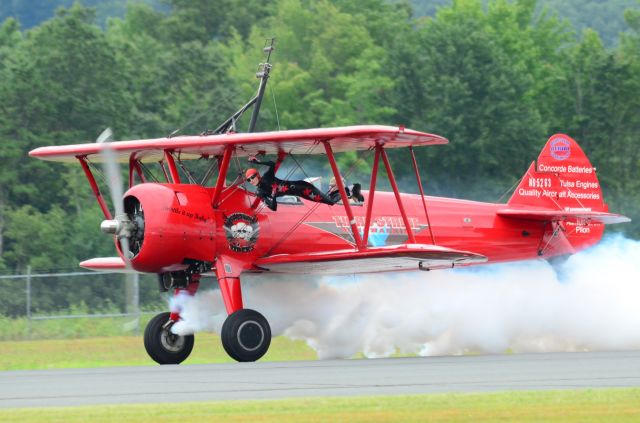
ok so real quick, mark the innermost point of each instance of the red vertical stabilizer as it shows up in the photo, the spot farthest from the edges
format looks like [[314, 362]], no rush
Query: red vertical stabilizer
[[562, 188], [561, 179]]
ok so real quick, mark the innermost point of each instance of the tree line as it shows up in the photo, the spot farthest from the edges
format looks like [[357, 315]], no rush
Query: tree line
[[495, 77]]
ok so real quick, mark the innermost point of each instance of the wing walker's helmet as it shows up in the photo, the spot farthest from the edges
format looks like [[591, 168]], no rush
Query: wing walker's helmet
[[251, 173]]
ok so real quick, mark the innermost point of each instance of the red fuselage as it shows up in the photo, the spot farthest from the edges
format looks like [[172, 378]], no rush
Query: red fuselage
[[180, 224]]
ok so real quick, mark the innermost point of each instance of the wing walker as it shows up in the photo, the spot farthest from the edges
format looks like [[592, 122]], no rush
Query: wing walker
[[183, 227]]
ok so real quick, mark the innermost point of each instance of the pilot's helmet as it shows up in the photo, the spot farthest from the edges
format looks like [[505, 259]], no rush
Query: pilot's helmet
[[251, 173]]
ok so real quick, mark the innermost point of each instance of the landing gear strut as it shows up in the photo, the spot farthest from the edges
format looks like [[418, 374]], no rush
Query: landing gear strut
[[246, 335], [163, 346]]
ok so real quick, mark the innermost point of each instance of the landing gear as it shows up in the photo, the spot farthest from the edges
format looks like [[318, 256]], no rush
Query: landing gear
[[246, 335], [163, 346]]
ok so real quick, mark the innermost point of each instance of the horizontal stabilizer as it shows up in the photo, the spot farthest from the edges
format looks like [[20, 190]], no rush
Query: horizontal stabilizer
[[564, 215], [107, 264], [372, 260]]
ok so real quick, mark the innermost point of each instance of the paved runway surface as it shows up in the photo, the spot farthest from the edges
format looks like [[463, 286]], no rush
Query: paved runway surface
[[392, 376]]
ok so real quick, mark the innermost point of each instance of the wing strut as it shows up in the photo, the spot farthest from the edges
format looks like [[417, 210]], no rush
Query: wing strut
[[173, 170], [134, 166], [424, 202], [372, 191], [222, 175], [94, 187], [394, 185], [343, 196]]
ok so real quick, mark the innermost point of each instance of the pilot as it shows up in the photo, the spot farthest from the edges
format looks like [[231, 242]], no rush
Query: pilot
[[354, 195], [334, 192], [268, 187]]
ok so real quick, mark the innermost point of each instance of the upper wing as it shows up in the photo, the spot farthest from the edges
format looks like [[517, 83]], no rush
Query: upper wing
[[300, 141], [564, 215], [379, 259]]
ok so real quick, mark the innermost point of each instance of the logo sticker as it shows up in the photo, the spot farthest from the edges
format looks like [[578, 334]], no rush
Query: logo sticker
[[560, 149], [242, 232]]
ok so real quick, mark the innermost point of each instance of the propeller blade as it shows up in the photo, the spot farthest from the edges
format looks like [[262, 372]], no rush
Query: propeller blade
[[105, 136], [111, 169], [126, 251]]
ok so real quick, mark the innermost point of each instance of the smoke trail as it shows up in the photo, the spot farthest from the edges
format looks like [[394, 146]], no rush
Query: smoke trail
[[522, 307]]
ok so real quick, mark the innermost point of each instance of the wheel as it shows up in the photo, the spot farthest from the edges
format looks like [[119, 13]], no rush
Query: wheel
[[246, 335], [163, 346]]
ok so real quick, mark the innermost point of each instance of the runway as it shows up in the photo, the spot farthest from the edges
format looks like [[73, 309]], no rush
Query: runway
[[273, 380]]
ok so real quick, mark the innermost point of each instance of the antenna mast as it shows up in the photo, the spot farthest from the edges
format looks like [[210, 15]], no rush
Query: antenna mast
[[263, 75]]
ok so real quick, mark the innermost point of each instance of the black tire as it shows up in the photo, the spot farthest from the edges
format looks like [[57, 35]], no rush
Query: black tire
[[246, 335], [163, 346]]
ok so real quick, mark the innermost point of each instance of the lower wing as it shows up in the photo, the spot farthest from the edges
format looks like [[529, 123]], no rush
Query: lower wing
[[372, 260]]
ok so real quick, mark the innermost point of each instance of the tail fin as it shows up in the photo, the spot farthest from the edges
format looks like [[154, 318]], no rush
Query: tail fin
[[562, 189], [562, 179]]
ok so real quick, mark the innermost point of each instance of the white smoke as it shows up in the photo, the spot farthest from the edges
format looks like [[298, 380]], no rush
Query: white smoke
[[591, 303]]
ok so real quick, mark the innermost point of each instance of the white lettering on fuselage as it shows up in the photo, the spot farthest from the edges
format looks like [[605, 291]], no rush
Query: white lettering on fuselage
[[388, 224]]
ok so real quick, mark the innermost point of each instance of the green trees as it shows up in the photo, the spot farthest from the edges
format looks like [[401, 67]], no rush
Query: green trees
[[601, 16], [61, 82], [482, 79], [329, 69], [174, 80]]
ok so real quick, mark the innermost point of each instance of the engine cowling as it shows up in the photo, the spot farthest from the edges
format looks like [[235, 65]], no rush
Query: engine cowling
[[172, 225]]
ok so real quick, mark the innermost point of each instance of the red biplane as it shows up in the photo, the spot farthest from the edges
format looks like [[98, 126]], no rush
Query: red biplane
[[183, 229]]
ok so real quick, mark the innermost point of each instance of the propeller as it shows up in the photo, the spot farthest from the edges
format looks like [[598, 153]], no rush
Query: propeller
[[120, 226]]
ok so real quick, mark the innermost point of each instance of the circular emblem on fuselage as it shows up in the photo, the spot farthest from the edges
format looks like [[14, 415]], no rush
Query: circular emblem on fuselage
[[560, 149], [242, 231]]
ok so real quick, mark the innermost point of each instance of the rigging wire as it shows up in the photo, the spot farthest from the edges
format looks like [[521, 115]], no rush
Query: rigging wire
[[275, 105], [209, 172], [147, 172], [96, 169], [226, 99], [186, 171], [238, 181], [510, 188]]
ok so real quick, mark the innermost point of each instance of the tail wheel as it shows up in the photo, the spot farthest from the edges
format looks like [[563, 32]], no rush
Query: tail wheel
[[163, 346], [246, 335]]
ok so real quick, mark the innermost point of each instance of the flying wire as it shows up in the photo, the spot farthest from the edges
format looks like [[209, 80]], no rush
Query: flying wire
[[186, 171], [148, 172], [510, 188], [275, 105]]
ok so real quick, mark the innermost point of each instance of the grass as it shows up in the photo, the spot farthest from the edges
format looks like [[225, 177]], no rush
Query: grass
[[15, 329], [607, 405], [126, 351]]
